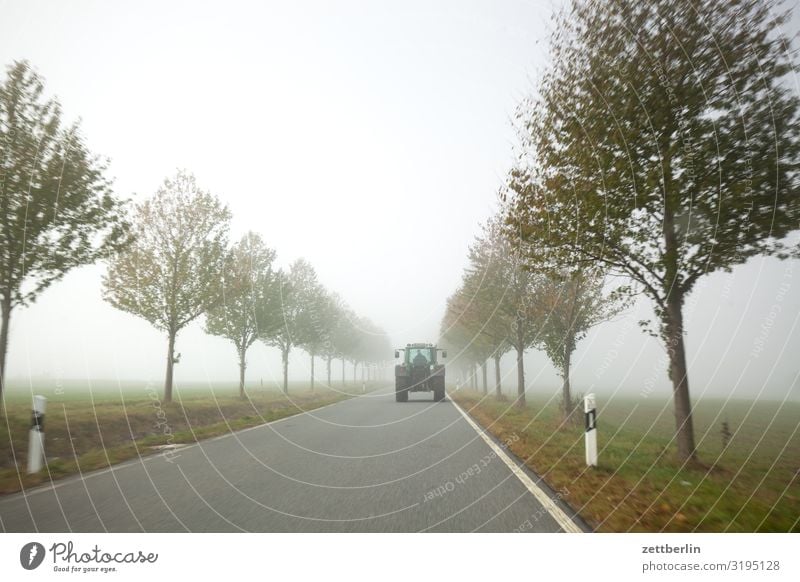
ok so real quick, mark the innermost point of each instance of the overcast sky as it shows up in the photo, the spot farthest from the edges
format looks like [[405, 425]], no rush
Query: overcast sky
[[357, 135]]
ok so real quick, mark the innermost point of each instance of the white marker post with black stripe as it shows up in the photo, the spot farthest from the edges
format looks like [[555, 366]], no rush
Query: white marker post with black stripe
[[36, 435], [590, 412]]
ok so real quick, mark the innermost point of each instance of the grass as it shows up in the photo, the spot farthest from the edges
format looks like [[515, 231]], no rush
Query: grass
[[88, 429], [750, 485]]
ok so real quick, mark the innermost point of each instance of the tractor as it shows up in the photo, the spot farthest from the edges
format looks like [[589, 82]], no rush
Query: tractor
[[419, 372]]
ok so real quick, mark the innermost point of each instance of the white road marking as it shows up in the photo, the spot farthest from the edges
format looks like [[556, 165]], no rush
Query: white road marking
[[549, 505]]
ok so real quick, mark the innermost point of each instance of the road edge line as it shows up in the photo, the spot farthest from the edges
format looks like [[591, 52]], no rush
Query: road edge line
[[563, 520]]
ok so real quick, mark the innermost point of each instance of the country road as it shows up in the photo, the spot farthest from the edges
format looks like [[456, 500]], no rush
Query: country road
[[364, 464]]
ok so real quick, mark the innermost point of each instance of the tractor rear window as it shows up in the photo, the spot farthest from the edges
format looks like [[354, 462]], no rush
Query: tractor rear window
[[415, 353]]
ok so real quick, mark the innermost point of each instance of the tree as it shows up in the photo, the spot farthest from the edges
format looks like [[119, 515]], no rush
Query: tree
[[463, 330], [495, 309], [374, 347], [345, 337], [57, 209], [484, 282], [314, 320], [368, 344], [174, 270], [336, 319], [298, 291], [251, 299], [663, 146], [570, 304], [358, 345], [510, 292]]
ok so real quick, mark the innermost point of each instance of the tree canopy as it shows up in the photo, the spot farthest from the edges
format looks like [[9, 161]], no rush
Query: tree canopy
[[57, 207]]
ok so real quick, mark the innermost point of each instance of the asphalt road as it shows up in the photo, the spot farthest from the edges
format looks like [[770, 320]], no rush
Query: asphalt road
[[364, 464]]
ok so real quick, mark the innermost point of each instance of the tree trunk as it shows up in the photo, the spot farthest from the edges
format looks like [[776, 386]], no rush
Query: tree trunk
[[242, 366], [312, 372], [520, 377], [344, 380], [170, 364], [566, 394], [483, 373], [355, 370], [285, 359], [329, 370], [673, 328], [4, 333], [678, 373], [497, 388]]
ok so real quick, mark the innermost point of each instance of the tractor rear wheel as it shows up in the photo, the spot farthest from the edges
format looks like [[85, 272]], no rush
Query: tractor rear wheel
[[438, 389], [401, 390]]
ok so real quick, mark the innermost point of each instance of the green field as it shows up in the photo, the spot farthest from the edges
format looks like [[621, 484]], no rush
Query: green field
[[93, 427], [20, 391], [752, 484]]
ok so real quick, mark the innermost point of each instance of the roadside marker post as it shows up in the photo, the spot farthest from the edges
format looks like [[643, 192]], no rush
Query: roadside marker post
[[36, 435], [590, 415]]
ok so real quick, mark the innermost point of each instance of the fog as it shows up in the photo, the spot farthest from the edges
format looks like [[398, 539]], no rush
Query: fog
[[372, 141]]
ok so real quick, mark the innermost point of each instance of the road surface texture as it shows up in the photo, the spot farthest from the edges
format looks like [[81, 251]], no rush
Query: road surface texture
[[364, 464]]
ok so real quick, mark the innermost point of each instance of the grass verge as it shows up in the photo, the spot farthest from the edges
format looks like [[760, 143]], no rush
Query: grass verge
[[750, 482]]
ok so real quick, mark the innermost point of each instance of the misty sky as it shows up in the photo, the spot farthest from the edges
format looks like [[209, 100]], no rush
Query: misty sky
[[359, 136]]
